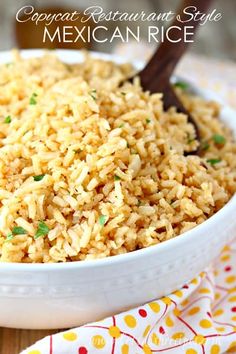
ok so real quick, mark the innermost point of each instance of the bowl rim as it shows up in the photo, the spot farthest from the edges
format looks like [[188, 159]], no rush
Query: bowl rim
[[189, 236]]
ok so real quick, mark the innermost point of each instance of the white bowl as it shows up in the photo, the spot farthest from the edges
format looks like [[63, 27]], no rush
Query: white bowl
[[43, 296]]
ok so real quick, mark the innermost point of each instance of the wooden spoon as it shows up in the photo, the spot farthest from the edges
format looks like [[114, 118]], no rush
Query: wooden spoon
[[155, 77]]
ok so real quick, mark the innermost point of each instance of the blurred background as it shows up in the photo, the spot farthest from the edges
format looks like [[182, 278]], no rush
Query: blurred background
[[216, 40]]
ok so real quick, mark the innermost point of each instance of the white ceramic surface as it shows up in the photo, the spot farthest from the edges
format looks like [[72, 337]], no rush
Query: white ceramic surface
[[38, 296]]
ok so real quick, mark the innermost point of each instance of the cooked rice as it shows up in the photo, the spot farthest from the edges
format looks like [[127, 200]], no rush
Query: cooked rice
[[116, 178]]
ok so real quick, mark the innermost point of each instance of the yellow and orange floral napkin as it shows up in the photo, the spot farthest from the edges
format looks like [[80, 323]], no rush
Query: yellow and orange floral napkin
[[199, 318]]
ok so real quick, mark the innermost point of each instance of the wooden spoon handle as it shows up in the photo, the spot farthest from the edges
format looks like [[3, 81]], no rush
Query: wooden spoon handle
[[166, 57]]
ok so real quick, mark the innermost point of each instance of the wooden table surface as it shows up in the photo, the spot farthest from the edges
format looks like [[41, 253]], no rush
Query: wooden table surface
[[13, 341]]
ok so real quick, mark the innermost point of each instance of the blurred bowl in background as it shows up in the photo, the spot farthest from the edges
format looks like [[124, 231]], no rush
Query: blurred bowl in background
[[29, 35]]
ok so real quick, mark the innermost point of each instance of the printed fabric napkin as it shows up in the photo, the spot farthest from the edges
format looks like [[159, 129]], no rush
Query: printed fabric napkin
[[200, 317]]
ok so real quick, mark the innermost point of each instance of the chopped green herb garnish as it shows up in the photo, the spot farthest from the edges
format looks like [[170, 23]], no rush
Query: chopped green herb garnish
[[219, 139], [139, 202], [205, 145], [42, 230], [7, 120], [121, 126], [92, 94], [213, 161], [18, 230], [127, 144], [116, 178], [9, 237], [182, 85], [33, 99], [148, 121], [190, 139], [38, 178], [123, 93], [102, 220]]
